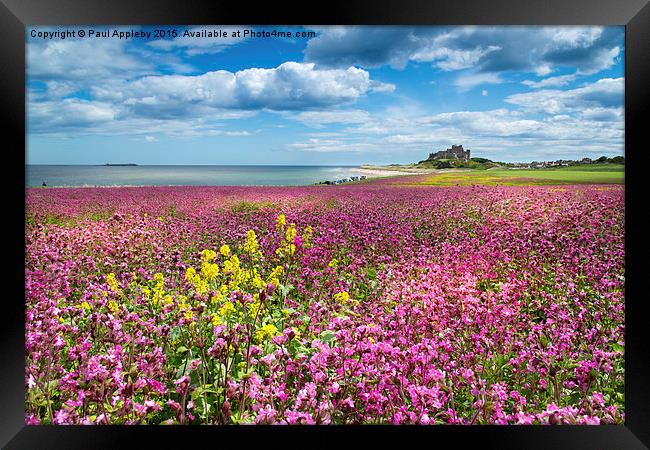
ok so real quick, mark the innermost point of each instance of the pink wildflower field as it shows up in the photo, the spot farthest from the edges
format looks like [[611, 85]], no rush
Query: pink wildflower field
[[366, 303]]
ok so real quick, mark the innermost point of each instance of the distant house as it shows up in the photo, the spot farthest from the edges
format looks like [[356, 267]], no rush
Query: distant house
[[455, 152], [586, 161]]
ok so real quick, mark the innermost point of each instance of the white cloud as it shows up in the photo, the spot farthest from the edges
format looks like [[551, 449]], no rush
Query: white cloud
[[481, 48], [469, 81], [378, 86], [289, 86], [561, 80], [449, 59], [330, 145], [575, 36], [320, 118], [86, 60], [607, 93], [484, 93]]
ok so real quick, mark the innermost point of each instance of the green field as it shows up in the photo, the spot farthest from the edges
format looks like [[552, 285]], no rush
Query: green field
[[583, 174]]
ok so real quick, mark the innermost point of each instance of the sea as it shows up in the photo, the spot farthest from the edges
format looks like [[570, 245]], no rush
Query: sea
[[82, 175]]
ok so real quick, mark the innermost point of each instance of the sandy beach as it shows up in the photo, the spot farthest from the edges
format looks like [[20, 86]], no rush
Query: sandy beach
[[371, 171]]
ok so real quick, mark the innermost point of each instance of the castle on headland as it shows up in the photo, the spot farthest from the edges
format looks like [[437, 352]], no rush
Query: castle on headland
[[455, 152]]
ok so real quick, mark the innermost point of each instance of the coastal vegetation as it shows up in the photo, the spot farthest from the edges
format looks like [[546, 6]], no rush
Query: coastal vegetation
[[371, 302]]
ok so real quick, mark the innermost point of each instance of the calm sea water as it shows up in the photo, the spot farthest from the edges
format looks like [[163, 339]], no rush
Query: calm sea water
[[185, 175]]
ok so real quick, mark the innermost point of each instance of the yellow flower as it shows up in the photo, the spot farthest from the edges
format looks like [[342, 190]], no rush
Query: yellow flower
[[342, 297], [281, 221], [333, 263], [226, 309], [159, 278], [275, 273], [110, 279], [290, 234], [85, 306], [258, 283], [266, 332], [254, 308], [201, 287], [190, 273], [167, 300], [113, 306], [306, 236], [251, 245], [209, 271], [215, 320], [224, 250], [208, 255]]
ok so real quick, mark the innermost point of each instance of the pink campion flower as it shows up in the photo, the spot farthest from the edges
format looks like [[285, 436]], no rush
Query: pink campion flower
[[174, 405], [597, 399], [266, 415], [58, 341], [182, 384], [61, 417], [152, 406]]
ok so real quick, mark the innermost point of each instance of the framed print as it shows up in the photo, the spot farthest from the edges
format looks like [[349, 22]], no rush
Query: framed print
[[405, 221]]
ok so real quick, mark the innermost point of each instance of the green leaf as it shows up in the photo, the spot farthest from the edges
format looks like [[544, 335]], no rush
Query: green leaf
[[182, 349], [327, 336], [618, 348]]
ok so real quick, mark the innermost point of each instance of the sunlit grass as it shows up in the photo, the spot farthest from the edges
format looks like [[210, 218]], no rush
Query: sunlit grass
[[595, 174]]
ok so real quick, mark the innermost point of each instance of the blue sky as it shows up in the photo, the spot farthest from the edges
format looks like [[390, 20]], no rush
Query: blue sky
[[345, 95]]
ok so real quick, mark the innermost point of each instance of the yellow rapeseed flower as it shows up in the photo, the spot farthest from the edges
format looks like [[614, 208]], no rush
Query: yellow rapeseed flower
[[112, 282], [251, 245], [209, 270], [226, 309], [342, 297], [291, 232], [266, 332], [224, 250], [208, 255], [281, 221]]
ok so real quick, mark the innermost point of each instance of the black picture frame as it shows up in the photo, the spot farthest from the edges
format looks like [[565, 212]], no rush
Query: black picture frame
[[16, 15]]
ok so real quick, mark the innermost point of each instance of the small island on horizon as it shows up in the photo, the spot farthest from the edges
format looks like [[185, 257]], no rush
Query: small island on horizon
[[114, 165]]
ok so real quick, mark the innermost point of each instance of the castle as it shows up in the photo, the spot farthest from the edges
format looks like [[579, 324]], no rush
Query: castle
[[455, 152]]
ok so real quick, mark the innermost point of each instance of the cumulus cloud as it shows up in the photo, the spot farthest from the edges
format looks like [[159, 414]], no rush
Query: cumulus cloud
[[509, 135], [82, 59], [68, 114], [486, 49], [561, 80], [470, 80], [216, 95], [290, 86], [604, 93]]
